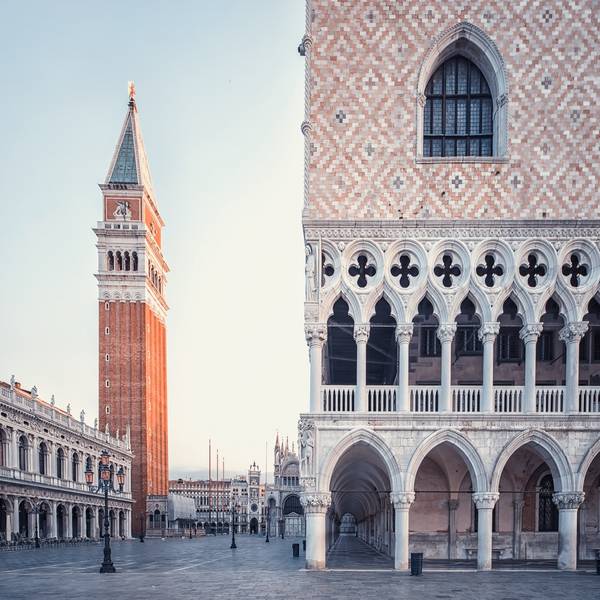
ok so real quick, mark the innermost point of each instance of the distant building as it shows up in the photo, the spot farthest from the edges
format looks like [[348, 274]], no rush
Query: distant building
[[213, 501], [44, 453], [285, 512]]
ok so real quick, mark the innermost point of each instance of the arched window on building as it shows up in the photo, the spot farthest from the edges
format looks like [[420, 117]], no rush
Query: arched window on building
[[127, 262], [119, 261], [42, 453], [23, 453], [60, 460], [3, 448], [458, 115], [547, 511], [75, 466], [134, 261], [110, 260]]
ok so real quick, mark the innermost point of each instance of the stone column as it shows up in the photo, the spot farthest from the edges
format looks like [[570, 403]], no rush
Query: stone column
[[582, 540], [128, 523], [404, 332], [14, 450], [529, 334], [69, 524], [485, 502], [9, 518], [445, 333], [361, 335], [401, 502], [571, 335], [452, 506], [51, 519], [568, 505], [316, 334], [315, 510], [15, 519], [517, 525], [487, 335]]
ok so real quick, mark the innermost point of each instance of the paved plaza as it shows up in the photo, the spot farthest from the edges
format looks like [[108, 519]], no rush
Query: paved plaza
[[207, 568]]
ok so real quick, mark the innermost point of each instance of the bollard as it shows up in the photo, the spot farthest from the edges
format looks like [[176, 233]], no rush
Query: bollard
[[296, 550], [416, 563], [303, 545]]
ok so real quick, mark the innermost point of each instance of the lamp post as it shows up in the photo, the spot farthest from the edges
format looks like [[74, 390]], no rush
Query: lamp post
[[233, 513], [142, 525], [105, 484], [36, 511], [268, 523]]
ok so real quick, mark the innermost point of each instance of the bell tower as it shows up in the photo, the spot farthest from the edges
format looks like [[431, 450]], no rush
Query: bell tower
[[132, 387]]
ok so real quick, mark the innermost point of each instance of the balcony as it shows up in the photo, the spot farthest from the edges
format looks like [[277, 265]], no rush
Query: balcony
[[463, 399]]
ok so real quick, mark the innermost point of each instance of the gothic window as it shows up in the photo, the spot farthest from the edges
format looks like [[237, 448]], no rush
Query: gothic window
[[509, 345], [42, 458], [430, 344], [111, 260], [23, 453], [458, 116], [547, 511], [127, 262], [3, 448], [545, 346], [119, 261], [75, 466], [134, 261], [60, 457], [467, 341]]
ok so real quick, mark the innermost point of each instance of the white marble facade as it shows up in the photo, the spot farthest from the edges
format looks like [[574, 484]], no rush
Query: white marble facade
[[44, 453]]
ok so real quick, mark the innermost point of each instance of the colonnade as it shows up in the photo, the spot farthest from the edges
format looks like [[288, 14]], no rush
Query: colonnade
[[317, 506], [571, 335]]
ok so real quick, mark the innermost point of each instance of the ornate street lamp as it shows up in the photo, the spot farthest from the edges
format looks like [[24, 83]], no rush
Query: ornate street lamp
[[234, 506], [106, 484], [36, 509]]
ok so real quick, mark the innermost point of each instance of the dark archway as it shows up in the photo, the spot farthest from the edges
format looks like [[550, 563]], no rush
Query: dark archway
[[253, 525], [75, 521], [382, 350], [339, 356], [89, 519], [60, 521], [24, 520]]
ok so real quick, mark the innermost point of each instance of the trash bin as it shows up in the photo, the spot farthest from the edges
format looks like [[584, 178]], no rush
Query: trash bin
[[303, 545], [296, 550], [416, 563]]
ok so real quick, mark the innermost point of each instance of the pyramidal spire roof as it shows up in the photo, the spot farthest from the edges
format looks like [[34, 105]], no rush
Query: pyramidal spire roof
[[130, 163]]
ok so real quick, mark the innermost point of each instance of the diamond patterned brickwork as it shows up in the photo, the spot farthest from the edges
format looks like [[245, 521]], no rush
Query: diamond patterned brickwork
[[364, 65]]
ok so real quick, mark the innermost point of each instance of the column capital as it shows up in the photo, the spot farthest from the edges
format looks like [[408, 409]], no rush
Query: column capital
[[361, 332], [315, 333], [446, 331], [402, 500], [568, 500], [485, 499], [404, 332], [530, 332], [488, 331], [453, 504], [316, 503], [573, 332]]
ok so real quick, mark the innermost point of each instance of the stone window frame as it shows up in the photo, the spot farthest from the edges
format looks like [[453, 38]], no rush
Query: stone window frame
[[467, 40]]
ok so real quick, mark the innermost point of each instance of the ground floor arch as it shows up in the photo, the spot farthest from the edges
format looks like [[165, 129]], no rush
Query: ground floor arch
[[253, 525]]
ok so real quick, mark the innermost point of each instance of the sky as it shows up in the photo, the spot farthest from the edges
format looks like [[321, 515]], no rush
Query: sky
[[220, 93]]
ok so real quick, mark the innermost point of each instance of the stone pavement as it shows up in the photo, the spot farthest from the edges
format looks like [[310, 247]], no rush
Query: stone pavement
[[207, 568]]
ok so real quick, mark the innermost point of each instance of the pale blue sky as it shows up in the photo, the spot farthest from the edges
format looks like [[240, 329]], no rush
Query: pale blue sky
[[220, 90]]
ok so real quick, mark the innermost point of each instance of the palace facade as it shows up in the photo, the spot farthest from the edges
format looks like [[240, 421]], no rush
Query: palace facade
[[452, 305], [44, 453]]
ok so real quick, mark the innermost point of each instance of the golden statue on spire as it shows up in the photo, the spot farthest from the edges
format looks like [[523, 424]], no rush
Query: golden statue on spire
[[131, 90]]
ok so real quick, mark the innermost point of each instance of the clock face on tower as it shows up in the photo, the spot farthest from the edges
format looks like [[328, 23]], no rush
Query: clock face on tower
[[254, 508]]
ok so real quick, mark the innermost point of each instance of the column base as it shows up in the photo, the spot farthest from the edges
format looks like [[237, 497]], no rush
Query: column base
[[315, 565]]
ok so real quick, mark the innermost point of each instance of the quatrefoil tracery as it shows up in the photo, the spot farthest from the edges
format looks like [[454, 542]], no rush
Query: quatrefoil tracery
[[362, 270], [532, 270], [490, 270], [327, 268], [447, 270], [574, 270], [405, 270]]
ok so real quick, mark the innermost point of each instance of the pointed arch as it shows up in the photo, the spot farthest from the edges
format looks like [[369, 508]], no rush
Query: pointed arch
[[462, 444], [549, 449], [479, 300], [440, 309], [468, 40], [348, 295], [371, 439], [391, 297], [585, 464]]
